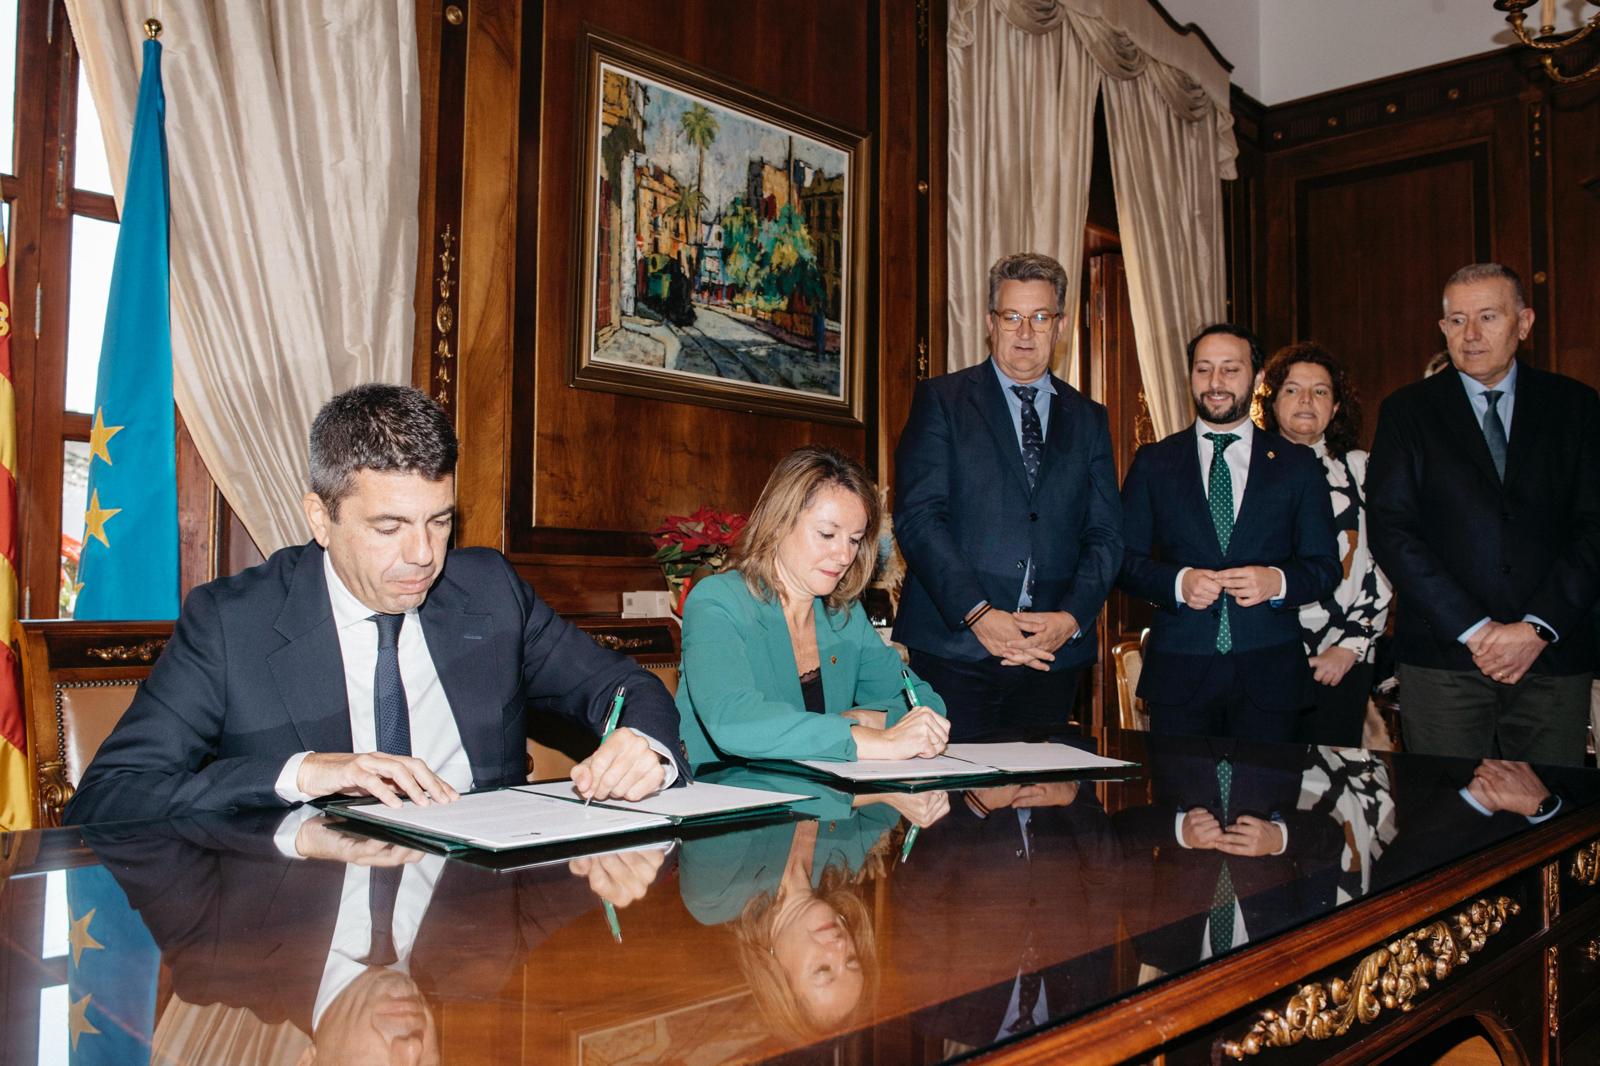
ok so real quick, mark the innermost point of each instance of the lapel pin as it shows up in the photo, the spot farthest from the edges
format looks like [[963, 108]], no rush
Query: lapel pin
[[1272, 455], [833, 660]]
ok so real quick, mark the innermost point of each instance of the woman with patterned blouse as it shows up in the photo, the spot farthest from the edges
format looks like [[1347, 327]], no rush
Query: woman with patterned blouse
[[1307, 398]]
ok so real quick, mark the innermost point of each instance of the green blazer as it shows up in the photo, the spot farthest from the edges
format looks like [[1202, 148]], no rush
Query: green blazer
[[739, 688]]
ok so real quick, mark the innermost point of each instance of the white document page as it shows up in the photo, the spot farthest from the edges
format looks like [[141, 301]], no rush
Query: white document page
[[895, 769], [691, 801], [1027, 758], [509, 818]]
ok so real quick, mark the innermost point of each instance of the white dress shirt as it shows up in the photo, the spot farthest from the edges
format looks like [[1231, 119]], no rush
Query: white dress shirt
[[352, 930], [1238, 459], [435, 738]]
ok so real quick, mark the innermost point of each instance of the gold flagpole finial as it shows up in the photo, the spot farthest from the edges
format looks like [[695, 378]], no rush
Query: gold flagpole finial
[[152, 28]]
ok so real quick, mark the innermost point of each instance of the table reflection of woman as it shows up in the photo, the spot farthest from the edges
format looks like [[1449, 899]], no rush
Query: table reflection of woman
[[794, 897], [779, 661], [1309, 400]]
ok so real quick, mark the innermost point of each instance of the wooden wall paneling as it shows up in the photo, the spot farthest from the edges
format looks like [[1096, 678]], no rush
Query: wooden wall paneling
[[1573, 123], [1241, 212], [1361, 232]]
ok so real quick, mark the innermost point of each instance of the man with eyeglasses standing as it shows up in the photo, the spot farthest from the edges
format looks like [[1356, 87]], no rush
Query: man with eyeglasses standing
[[1007, 513]]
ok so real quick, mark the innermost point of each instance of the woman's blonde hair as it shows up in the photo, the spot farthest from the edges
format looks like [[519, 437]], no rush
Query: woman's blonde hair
[[792, 488], [769, 987]]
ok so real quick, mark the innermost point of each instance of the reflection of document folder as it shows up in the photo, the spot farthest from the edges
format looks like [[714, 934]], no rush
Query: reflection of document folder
[[965, 764], [526, 816]]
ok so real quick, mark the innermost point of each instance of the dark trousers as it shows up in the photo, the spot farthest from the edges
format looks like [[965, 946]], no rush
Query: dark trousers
[[1340, 712], [1540, 719], [989, 702], [1219, 706]]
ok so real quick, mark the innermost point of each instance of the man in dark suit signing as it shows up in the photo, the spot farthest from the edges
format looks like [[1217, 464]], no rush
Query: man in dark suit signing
[[1484, 502], [1006, 511], [1229, 529], [372, 660]]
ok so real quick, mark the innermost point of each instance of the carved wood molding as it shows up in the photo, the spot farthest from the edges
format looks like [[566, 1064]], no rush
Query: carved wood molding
[[1585, 867], [1387, 978], [145, 651]]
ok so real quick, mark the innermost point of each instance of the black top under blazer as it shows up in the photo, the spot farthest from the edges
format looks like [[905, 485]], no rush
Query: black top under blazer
[[253, 675], [1285, 520], [967, 522], [1460, 546]]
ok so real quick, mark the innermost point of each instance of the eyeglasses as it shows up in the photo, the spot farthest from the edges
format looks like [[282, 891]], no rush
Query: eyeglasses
[[1011, 321]]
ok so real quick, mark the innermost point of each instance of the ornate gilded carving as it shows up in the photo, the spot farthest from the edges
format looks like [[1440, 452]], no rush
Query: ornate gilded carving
[[444, 321], [1144, 430], [1552, 988], [616, 643], [1586, 864], [922, 359], [1389, 978], [1552, 892], [143, 652], [1590, 952], [53, 789]]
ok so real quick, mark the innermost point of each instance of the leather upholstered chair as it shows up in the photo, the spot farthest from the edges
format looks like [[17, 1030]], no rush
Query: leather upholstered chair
[[556, 745], [77, 680], [1128, 656]]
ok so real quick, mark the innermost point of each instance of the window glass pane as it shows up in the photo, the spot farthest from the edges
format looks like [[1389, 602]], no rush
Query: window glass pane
[[8, 82], [94, 246], [54, 1025], [89, 169], [74, 501]]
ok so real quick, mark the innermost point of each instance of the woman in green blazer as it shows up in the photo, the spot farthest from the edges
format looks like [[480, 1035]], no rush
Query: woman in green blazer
[[779, 662]]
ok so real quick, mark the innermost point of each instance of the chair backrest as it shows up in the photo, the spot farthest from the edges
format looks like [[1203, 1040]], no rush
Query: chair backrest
[[555, 745], [77, 680], [1129, 659]]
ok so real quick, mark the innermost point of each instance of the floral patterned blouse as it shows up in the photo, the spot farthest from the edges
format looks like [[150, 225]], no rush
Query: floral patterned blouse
[[1357, 611]]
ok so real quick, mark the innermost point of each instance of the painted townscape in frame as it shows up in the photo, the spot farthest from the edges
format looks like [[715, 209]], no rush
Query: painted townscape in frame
[[719, 243]]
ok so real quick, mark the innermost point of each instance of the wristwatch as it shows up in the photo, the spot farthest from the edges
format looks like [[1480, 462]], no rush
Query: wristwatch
[[1543, 632], [1547, 806]]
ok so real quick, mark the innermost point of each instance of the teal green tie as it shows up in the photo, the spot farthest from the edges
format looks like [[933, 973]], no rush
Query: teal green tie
[[1222, 900], [1220, 496]]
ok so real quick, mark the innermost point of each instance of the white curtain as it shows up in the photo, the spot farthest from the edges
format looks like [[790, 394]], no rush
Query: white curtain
[[1020, 146], [293, 153], [1017, 64]]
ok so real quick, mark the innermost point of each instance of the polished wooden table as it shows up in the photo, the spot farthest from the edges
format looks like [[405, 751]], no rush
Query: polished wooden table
[[1057, 922]]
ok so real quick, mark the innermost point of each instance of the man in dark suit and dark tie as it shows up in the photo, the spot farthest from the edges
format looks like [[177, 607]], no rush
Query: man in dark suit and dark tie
[[372, 660], [1228, 529], [1006, 511], [1484, 502]]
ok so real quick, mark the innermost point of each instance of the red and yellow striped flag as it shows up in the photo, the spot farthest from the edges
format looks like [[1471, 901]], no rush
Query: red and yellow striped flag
[[16, 798]]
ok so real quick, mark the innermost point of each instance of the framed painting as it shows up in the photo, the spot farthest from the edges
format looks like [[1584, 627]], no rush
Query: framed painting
[[723, 242]]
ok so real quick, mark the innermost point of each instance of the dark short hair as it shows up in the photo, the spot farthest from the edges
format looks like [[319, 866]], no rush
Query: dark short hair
[[378, 427], [1344, 429], [1230, 330], [1028, 266], [1476, 272]]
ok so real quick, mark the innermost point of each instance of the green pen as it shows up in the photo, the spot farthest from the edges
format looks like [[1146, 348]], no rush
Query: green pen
[[611, 727], [611, 920], [911, 704]]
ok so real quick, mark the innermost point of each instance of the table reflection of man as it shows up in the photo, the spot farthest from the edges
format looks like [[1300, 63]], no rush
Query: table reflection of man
[[794, 896], [1232, 857], [346, 938], [1032, 871]]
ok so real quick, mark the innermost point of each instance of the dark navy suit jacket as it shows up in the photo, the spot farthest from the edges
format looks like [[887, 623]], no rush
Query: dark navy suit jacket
[[1460, 545], [1285, 520], [967, 522], [253, 674]]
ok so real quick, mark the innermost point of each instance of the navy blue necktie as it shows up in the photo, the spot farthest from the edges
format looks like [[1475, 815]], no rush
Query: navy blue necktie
[[383, 889], [391, 717], [1032, 432]]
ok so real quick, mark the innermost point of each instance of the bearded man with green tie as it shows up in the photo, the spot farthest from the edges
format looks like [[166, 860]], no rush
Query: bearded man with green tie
[[372, 660], [1228, 529], [1484, 506]]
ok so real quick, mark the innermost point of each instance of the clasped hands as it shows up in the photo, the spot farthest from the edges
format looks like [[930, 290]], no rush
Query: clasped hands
[[1248, 585], [921, 734], [1503, 651], [1024, 638], [1249, 835], [623, 767]]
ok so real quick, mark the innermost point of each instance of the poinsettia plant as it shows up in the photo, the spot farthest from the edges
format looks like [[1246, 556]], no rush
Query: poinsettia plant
[[685, 543]]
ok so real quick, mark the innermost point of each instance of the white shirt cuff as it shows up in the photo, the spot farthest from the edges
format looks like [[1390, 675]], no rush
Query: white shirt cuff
[[1283, 584], [1177, 586], [660, 749], [1177, 831], [288, 831], [1284, 830], [288, 784], [1466, 634]]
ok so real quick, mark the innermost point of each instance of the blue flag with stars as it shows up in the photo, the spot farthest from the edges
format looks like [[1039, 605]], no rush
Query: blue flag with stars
[[129, 564], [112, 974]]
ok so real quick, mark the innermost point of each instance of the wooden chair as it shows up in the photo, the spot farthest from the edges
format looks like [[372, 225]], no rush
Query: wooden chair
[[1129, 659], [77, 680], [556, 745]]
